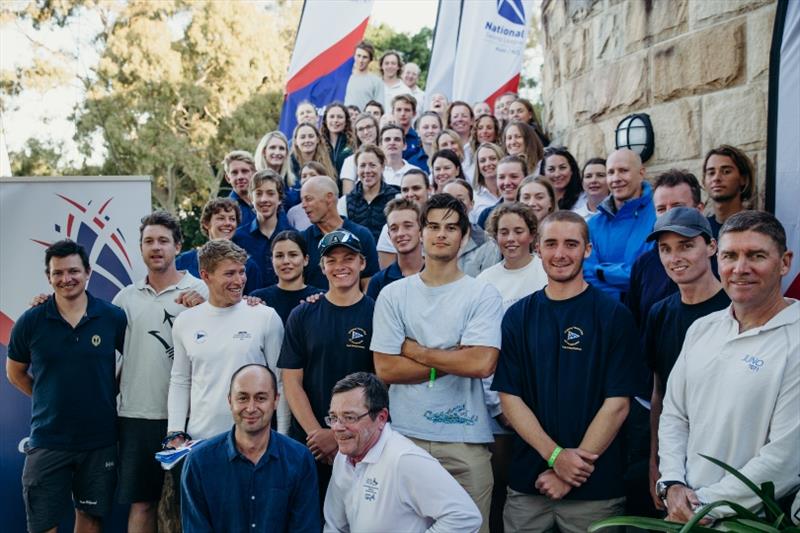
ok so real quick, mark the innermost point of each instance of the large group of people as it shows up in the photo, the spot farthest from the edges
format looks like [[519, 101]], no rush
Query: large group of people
[[412, 319]]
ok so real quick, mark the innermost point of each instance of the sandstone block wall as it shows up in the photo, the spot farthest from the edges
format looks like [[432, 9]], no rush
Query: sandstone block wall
[[699, 68]]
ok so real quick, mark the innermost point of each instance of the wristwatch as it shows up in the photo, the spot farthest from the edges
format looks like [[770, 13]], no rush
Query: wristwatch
[[663, 486]]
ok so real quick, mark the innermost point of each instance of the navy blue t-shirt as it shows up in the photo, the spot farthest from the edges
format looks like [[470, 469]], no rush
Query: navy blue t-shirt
[[284, 301], [312, 234], [715, 226], [563, 358], [328, 342], [667, 324], [258, 246], [74, 403], [188, 261], [649, 284], [247, 211], [383, 278]]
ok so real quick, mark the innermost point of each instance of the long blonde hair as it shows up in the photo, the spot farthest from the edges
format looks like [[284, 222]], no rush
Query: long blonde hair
[[261, 159], [321, 155]]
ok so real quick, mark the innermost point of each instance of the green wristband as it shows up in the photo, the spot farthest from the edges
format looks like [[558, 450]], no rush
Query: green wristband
[[554, 456]]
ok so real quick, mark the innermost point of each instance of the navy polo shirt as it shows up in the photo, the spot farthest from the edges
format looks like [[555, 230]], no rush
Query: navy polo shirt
[[222, 490], [284, 301], [327, 342], [188, 261], [484, 216], [649, 284], [248, 213], [312, 234], [258, 246], [563, 358], [414, 153], [383, 278], [74, 403]]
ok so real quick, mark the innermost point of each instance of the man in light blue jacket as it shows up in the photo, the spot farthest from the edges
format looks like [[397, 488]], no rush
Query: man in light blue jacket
[[619, 231]]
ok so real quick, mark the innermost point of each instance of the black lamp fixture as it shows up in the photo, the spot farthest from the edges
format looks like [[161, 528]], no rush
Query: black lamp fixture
[[636, 133]]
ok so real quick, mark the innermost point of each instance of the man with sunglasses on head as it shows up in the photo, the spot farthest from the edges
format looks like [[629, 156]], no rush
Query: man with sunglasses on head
[[325, 341], [381, 480]]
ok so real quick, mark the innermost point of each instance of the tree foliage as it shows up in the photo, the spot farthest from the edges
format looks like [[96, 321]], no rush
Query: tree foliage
[[414, 48]]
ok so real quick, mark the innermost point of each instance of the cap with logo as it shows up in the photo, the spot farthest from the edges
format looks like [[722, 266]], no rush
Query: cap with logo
[[685, 221], [339, 237]]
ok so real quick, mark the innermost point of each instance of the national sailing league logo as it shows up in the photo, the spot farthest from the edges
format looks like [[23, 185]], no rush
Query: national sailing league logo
[[94, 229], [511, 10]]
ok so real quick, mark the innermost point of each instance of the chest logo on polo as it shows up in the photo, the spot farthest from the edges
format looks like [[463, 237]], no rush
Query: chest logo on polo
[[572, 338], [169, 350], [370, 489], [357, 338], [96, 340], [242, 336], [200, 336], [754, 363]]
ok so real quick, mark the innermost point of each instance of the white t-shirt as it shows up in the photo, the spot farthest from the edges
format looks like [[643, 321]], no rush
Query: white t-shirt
[[515, 284], [348, 171], [147, 360], [390, 92], [398, 486], [466, 312], [483, 199], [734, 396], [211, 343], [384, 242], [395, 177]]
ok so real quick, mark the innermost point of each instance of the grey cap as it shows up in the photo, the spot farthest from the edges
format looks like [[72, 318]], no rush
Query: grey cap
[[686, 221]]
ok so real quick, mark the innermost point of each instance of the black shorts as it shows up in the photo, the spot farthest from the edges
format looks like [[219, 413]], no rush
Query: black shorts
[[141, 477], [51, 478]]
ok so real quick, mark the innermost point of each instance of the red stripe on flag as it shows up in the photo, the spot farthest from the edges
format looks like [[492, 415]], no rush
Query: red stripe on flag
[[5, 328], [510, 86], [794, 289], [329, 60]]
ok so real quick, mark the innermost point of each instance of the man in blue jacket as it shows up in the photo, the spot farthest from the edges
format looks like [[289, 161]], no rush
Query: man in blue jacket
[[619, 231]]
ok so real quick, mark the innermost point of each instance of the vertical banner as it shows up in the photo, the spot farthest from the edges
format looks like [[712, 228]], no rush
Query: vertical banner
[[491, 44], [322, 59], [783, 158], [443, 50], [100, 213]]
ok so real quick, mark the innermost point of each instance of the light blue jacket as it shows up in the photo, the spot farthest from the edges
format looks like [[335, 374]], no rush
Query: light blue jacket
[[618, 239]]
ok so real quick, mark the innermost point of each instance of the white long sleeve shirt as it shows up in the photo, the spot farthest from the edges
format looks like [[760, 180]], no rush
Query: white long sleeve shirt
[[735, 397], [211, 343], [397, 487]]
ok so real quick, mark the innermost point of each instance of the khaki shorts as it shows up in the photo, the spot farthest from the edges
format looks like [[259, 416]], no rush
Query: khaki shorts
[[538, 514]]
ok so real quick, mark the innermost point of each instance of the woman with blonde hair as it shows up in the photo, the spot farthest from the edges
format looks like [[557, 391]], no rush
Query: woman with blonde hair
[[539, 194], [272, 153], [487, 156]]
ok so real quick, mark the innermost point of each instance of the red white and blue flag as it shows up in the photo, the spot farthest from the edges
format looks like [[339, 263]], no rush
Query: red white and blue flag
[[322, 59]]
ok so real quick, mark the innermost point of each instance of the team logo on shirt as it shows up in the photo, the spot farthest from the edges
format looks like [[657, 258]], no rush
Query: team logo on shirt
[[242, 336], [572, 338], [170, 350], [754, 363], [357, 338], [200, 336], [455, 415], [370, 489], [96, 340]]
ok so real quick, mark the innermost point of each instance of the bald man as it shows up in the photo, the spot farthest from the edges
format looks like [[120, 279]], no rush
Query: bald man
[[319, 196], [619, 231]]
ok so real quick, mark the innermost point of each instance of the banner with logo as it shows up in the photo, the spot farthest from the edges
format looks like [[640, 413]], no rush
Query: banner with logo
[[100, 213], [322, 59], [491, 44], [783, 159]]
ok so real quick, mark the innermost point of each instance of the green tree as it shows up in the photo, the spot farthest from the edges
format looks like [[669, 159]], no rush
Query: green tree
[[415, 48]]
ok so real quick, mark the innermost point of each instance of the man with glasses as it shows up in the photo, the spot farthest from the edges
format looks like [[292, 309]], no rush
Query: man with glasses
[[381, 480], [324, 342]]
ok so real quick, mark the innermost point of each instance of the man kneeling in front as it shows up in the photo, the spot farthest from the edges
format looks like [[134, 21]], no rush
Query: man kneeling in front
[[381, 480]]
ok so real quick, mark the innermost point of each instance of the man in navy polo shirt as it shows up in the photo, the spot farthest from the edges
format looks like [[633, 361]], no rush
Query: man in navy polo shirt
[[63, 355], [568, 366], [402, 219], [319, 196], [324, 342], [239, 167], [266, 193]]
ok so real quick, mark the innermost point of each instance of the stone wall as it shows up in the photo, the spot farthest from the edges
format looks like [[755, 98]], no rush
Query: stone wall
[[699, 68]]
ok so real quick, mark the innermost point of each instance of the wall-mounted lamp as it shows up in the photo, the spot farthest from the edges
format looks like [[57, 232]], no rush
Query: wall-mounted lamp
[[636, 132]]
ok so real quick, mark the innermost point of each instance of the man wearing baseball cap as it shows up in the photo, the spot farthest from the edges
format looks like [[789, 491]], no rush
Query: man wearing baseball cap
[[324, 342], [685, 246]]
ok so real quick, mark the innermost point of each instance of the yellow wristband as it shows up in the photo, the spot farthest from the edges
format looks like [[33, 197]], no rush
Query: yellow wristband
[[554, 456]]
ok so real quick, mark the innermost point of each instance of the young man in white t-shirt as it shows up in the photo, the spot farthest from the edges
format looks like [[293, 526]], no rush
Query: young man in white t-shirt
[[214, 339], [151, 306], [435, 335]]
